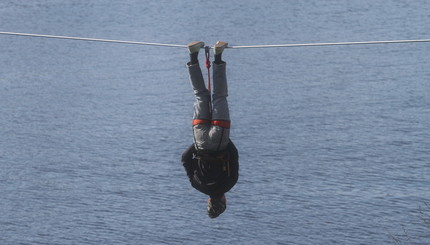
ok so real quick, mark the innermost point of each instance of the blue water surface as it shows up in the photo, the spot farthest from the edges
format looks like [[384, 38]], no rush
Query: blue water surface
[[333, 141]]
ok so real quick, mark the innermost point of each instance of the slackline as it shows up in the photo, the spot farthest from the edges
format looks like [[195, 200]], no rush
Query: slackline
[[232, 47]]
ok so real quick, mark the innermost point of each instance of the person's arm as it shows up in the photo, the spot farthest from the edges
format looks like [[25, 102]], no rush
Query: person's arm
[[187, 160], [234, 161], [234, 154]]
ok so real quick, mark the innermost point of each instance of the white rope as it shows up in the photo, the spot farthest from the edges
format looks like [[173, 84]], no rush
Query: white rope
[[330, 44], [232, 47], [93, 39]]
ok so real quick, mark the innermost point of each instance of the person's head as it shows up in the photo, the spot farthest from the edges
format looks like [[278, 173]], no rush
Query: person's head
[[216, 206]]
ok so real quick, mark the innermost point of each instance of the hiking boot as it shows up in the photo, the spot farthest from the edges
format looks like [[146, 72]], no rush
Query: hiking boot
[[195, 47], [216, 206], [219, 47]]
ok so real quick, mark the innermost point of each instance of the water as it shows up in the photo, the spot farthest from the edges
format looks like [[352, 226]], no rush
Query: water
[[334, 141]]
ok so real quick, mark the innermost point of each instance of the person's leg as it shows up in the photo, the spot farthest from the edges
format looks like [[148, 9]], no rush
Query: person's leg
[[220, 91], [202, 108], [220, 132], [202, 96]]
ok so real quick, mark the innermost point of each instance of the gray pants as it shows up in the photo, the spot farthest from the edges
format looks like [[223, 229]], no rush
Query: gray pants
[[211, 121]]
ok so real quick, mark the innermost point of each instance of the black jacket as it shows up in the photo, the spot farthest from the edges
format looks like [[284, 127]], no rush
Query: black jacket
[[216, 174]]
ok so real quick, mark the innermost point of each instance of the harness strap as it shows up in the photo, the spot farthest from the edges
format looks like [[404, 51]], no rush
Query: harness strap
[[200, 121], [223, 124], [208, 66], [221, 159], [220, 123]]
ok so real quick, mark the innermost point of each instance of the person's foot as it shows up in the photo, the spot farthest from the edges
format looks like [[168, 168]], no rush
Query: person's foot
[[195, 47], [216, 206], [219, 47]]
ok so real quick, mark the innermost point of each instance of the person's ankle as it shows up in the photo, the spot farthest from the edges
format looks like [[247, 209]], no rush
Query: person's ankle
[[194, 58], [218, 59]]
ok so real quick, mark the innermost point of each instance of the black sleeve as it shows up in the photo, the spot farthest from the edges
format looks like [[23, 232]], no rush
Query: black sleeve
[[234, 154], [234, 161], [187, 159]]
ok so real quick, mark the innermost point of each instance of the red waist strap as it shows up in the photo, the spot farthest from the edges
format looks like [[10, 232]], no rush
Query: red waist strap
[[200, 121], [221, 123], [224, 124]]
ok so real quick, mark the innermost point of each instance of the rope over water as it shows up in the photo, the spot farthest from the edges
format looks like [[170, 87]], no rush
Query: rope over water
[[232, 47], [92, 39], [331, 44]]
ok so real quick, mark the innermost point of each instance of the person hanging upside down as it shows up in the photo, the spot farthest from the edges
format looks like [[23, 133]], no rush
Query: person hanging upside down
[[212, 161]]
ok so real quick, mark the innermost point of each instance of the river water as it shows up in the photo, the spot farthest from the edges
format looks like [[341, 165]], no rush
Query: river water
[[333, 141]]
